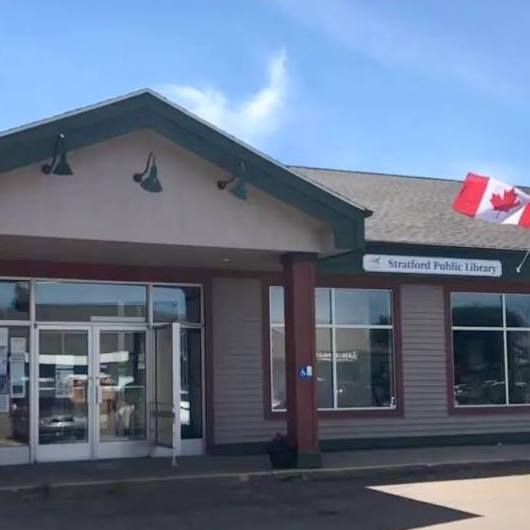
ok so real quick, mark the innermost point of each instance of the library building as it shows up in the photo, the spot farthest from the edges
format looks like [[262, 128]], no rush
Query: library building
[[166, 289]]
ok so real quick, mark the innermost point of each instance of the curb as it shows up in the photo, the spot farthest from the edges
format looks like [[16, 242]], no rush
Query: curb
[[519, 466]]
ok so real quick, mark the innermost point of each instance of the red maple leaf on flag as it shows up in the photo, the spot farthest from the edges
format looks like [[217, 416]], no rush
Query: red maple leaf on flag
[[505, 203]]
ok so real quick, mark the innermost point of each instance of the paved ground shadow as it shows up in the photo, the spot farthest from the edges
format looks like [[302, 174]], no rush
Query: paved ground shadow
[[267, 503]]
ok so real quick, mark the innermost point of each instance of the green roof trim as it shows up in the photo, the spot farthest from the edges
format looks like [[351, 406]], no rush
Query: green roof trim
[[148, 110]]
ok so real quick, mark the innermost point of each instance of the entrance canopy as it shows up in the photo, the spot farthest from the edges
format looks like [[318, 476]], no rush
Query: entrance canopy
[[109, 142]]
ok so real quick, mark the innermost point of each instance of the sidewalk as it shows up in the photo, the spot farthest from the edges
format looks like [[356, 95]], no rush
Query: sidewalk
[[355, 463]]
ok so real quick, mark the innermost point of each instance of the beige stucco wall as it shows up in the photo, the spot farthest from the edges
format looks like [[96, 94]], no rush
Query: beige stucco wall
[[101, 202]]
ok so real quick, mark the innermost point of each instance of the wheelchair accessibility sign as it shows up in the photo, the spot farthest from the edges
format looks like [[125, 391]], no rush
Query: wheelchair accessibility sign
[[306, 372]]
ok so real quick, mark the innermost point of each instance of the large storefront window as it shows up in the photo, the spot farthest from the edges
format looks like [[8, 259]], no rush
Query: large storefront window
[[491, 348], [354, 348], [92, 335], [85, 302]]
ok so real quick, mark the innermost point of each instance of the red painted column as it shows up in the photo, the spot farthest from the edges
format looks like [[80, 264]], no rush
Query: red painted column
[[302, 418]]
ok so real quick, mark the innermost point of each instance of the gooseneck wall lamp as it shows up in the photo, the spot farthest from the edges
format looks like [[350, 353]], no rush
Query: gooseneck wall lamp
[[237, 185], [151, 182], [58, 165]]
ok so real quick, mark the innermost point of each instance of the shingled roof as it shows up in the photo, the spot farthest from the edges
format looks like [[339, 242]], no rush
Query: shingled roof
[[416, 210]]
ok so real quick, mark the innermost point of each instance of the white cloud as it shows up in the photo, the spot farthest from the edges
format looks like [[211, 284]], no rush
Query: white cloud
[[253, 119]]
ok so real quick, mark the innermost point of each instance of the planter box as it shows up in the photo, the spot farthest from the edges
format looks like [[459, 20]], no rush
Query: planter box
[[281, 454]]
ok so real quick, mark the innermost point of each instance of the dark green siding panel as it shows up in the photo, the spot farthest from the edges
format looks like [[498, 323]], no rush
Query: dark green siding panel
[[351, 262]]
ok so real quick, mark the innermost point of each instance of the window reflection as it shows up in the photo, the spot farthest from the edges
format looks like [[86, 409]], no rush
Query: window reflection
[[479, 367], [276, 305], [518, 310], [519, 366], [14, 386], [83, 302], [324, 354], [122, 381], [477, 309], [323, 306], [364, 368], [176, 304], [353, 340], [191, 383], [63, 385], [279, 397], [362, 307], [14, 300]]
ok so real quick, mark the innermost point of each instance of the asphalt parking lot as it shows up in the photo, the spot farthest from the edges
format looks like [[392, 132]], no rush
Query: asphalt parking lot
[[266, 502]]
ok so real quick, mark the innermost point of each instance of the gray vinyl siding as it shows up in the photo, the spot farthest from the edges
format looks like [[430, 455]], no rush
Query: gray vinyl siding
[[237, 333], [424, 373], [238, 370]]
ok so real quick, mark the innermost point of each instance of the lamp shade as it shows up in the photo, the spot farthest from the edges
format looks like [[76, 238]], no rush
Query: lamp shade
[[62, 167], [151, 182], [240, 190]]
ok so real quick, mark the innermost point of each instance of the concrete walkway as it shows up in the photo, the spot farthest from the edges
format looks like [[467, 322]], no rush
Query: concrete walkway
[[357, 463]]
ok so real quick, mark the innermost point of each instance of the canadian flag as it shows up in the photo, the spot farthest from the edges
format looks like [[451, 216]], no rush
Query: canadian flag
[[494, 201]]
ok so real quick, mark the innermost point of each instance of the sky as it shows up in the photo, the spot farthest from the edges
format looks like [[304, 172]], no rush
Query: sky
[[415, 87]]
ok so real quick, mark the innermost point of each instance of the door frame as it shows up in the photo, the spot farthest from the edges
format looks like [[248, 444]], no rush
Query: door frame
[[93, 448], [121, 448], [177, 442], [59, 452]]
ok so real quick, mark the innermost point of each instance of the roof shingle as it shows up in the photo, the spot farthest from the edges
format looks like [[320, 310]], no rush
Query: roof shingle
[[416, 210]]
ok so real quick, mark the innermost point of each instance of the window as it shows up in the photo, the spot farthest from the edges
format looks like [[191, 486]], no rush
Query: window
[[83, 302], [176, 304], [184, 304], [14, 386], [14, 300], [491, 348], [354, 348]]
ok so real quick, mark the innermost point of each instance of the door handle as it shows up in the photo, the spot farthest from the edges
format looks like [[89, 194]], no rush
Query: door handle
[[99, 391]]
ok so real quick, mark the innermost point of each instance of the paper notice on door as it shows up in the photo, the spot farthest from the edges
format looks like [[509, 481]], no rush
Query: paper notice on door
[[4, 394], [17, 379], [4, 335], [4, 383], [18, 345], [64, 382], [3, 365]]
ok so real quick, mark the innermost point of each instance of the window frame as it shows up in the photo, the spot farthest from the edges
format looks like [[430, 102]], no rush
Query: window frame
[[502, 289], [357, 283]]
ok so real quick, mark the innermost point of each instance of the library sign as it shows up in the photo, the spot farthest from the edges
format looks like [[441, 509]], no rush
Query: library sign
[[431, 265]]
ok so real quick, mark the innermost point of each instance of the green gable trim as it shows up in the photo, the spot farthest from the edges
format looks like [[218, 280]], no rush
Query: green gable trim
[[351, 262], [147, 110]]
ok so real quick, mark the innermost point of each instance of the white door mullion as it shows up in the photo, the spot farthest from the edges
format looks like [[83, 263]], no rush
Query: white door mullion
[[93, 389], [505, 345], [333, 349], [33, 392]]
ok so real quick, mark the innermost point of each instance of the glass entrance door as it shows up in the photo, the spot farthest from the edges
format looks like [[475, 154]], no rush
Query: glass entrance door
[[91, 392], [167, 405], [65, 394], [121, 392]]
